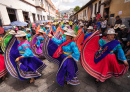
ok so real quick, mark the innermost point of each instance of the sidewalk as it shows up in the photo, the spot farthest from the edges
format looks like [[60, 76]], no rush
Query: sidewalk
[[47, 83]]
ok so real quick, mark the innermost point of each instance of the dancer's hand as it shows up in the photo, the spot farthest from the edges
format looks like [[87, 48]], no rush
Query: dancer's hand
[[126, 63], [35, 45], [17, 59], [69, 56], [50, 35]]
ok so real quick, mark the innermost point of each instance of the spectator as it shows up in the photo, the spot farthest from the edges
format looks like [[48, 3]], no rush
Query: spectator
[[103, 25], [127, 52], [90, 22], [123, 33], [118, 20], [106, 15], [98, 24], [128, 37], [94, 20], [98, 15]]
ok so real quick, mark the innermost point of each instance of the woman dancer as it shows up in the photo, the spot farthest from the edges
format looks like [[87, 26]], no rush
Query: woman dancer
[[65, 55], [20, 61], [98, 57], [37, 43]]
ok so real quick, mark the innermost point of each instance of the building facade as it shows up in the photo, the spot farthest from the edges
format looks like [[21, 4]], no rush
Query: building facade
[[26, 10], [89, 10], [112, 7]]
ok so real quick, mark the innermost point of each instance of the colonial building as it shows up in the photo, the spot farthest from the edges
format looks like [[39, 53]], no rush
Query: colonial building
[[112, 7], [23, 10], [89, 10]]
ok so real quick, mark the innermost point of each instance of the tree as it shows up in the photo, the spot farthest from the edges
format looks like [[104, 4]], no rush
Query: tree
[[77, 8]]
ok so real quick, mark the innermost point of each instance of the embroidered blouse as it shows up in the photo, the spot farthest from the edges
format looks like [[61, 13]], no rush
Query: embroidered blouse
[[118, 48], [25, 50], [40, 40], [28, 35], [70, 49]]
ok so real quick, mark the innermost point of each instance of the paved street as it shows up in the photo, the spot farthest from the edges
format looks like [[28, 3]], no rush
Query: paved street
[[47, 83]]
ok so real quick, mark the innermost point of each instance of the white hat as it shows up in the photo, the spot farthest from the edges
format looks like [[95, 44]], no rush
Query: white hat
[[65, 28], [90, 27], [12, 32], [53, 23], [20, 33], [28, 29], [70, 32], [111, 31], [122, 26], [117, 26], [41, 24], [81, 24], [67, 21], [47, 25], [41, 31]]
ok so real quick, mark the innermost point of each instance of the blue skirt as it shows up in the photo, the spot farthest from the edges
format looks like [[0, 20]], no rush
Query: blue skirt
[[67, 66], [26, 68]]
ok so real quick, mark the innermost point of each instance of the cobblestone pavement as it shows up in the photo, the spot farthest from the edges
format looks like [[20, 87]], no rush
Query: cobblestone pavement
[[47, 83]]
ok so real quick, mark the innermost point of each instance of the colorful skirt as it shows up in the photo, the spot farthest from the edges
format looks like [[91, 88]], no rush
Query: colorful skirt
[[79, 40], [5, 41], [57, 35], [67, 66], [3, 70], [104, 69], [26, 68], [36, 50]]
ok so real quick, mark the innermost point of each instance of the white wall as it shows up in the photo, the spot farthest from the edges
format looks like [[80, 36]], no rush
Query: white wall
[[4, 15], [20, 6]]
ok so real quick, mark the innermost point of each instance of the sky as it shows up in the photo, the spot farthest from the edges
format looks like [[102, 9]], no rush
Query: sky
[[67, 4]]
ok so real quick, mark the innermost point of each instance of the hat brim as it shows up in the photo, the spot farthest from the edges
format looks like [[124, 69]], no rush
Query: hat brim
[[12, 33], [111, 33], [89, 28], [41, 32], [69, 34], [20, 35]]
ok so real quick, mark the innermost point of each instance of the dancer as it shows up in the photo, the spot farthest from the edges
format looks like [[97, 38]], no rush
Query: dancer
[[19, 59], [98, 57], [65, 55], [29, 35], [3, 70], [37, 43]]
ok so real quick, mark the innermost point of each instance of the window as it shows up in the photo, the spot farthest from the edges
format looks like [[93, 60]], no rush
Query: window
[[12, 14], [84, 13], [33, 17], [38, 17], [99, 6], [25, 15], [96, 8], [41, 17]]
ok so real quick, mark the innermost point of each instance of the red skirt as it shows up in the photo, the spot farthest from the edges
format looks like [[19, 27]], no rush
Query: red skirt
[[104, 69], [3, 70]]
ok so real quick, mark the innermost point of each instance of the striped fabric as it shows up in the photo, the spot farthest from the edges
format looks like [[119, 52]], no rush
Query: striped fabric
[[33, 41], [14, 68], [3, 41], [45, 51]]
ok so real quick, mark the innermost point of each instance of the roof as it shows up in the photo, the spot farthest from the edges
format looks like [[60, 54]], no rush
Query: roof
[[83, 7]]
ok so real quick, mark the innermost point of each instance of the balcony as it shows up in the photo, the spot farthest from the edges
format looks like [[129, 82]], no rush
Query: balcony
[[39, 5]]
